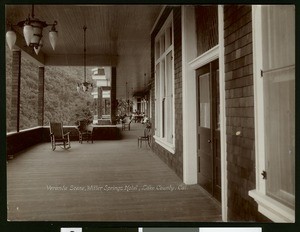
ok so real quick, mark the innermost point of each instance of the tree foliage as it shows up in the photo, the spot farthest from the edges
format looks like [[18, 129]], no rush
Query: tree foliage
[[124, 107], [62, 102]]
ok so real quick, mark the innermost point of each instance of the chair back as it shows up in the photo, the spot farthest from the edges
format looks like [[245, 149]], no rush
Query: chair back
[[127, 119], [56, 128], [82, 125], [147, 132]]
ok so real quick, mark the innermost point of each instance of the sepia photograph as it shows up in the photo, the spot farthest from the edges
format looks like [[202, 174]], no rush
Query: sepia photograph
[[150, 113]]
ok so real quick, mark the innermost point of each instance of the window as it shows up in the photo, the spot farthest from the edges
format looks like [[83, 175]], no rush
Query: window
[[274, 48], [138, 104], [204, 100], [164, 87]]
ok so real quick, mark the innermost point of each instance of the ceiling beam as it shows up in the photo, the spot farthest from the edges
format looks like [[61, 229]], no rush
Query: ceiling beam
[[77, 60]]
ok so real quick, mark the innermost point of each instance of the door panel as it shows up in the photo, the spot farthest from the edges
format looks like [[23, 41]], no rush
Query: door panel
[[205, 159], [204, 129], [209, 162]]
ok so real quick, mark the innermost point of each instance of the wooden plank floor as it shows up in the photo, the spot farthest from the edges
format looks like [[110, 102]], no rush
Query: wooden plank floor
[[104, 181]]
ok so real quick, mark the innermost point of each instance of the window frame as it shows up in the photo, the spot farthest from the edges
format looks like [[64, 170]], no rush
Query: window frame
[[158, 60], [268, 206]]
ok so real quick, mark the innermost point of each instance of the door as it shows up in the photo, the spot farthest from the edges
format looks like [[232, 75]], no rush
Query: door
[[208, 147]]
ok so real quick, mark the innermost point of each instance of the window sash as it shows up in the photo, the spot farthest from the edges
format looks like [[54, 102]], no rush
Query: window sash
[[275, 209], [157, 100], [164, 103], [169, 98], [278, 38]]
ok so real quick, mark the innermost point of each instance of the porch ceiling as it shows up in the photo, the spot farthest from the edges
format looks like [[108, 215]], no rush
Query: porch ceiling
[[117, 35]]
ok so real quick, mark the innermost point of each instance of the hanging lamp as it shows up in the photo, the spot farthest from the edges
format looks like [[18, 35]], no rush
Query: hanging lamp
[[33, 33], [84, 86]]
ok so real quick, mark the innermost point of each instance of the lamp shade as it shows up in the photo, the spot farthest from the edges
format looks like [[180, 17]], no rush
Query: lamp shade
[[37, 33], [11, 38], [53, 38], [38, 48], [28, 33]]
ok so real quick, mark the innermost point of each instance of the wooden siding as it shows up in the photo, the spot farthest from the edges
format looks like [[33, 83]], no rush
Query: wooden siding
[[207, 30], [240, 113]]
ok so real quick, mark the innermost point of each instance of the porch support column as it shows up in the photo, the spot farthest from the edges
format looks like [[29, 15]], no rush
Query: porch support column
[[41, 95], [99, 103], [189, 42], [105, 106], [95, 109], [15, 94], [113, 95]]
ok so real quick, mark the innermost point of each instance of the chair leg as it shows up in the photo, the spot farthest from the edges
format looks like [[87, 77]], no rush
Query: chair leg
[[148, 141], [68, 143], [53, 144]]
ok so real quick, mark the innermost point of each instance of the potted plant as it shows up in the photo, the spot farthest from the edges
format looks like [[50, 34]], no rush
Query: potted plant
[[85, 116]]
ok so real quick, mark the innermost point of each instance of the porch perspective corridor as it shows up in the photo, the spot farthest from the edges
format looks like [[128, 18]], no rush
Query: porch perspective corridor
[[103, 181]]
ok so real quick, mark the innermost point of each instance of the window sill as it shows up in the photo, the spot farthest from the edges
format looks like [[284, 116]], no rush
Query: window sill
[[164, 144], [272, 209]]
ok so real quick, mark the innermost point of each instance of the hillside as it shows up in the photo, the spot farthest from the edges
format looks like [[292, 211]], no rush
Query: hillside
[[62, 101]]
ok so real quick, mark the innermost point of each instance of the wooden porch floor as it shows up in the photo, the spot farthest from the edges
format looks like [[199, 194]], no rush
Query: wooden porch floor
[[104, 181]]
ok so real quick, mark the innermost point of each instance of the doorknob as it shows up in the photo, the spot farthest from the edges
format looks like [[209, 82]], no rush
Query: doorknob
[[209, 141]]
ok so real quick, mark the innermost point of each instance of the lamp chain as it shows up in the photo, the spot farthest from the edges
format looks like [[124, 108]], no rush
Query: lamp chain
[[84, 52], [32, 11]]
